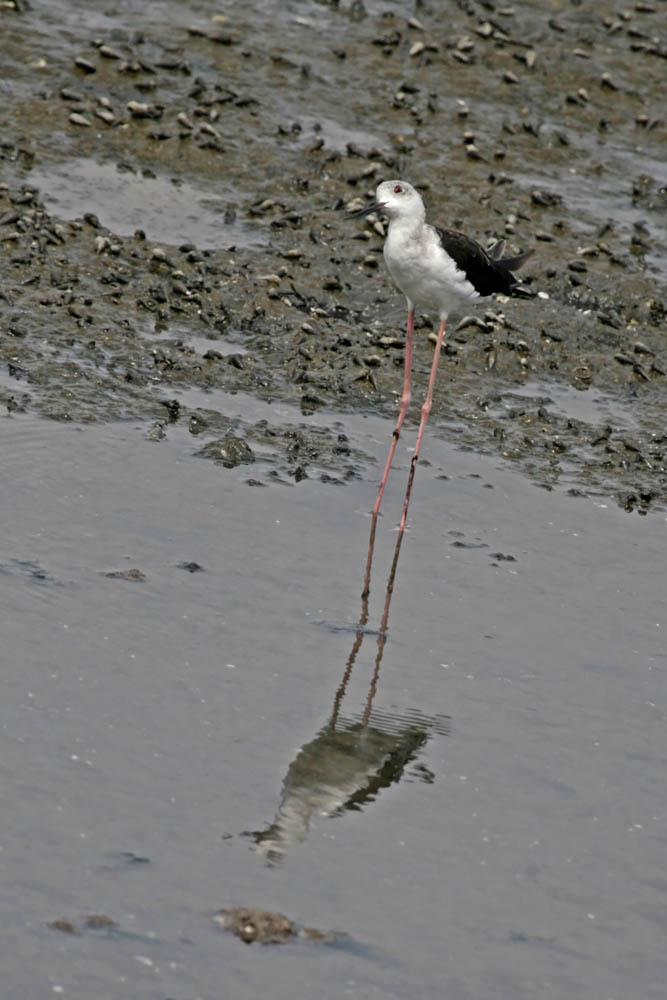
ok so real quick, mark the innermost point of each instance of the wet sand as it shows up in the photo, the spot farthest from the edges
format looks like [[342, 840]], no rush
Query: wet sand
[[197, 345]]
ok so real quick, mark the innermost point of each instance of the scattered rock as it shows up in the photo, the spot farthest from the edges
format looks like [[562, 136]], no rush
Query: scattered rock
[[133, 575], [251, 924], [229, 451]]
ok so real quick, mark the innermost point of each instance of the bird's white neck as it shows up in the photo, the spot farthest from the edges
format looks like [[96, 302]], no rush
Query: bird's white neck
[[408, 222]]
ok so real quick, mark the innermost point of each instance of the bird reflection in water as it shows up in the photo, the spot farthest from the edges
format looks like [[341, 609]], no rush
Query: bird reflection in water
[[352, 758]]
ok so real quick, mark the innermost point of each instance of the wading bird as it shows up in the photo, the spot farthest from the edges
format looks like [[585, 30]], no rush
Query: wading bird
[[437, 269]]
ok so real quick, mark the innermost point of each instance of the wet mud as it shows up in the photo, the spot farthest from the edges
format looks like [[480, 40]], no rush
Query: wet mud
[[174, 216]]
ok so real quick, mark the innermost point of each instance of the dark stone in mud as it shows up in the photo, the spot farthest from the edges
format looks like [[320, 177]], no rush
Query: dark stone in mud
[[191, 567], [133, 575], [251, 924], [256, 925], [85, 65], [66, 926], [99, 921], [94, 921], [230, 451]]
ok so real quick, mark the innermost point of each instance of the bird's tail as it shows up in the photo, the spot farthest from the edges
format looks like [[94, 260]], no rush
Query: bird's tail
[[513, 263], [497, 249], [509, 264]]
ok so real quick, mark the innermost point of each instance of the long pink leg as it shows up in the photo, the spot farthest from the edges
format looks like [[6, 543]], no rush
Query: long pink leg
[[382, 633], [426, 409], [405, 402]]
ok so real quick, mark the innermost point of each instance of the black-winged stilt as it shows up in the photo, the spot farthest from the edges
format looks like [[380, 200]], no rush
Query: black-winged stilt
[[437, 269]]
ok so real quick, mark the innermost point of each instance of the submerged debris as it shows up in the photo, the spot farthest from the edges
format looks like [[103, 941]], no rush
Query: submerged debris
[[251, 924], [94, 921]]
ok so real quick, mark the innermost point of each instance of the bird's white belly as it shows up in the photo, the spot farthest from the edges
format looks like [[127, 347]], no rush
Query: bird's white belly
[[425, 273]]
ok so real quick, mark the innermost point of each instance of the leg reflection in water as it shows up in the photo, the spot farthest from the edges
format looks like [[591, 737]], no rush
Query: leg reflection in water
[[351, 759]]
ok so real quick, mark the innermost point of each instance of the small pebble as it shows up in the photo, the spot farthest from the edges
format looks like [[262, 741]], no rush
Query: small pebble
[[106, 115], [133, 575], [98, 921], [139, 109], [85, 65], [205, 127], [545, 198], [66, 926], [68, 94], [109, 53]]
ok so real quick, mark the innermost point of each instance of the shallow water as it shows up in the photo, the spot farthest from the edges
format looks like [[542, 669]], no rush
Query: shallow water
[[125, 200], [146, 721], [588, 405]]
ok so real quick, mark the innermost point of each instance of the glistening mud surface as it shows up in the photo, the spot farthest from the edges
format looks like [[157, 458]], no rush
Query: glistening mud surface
[[186, 300], [540, 125]]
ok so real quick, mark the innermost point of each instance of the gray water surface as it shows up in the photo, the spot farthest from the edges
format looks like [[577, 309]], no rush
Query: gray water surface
[[147, 725], [166, 207]]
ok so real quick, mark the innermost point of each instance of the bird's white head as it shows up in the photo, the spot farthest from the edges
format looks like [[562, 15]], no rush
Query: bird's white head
[[398, 200]]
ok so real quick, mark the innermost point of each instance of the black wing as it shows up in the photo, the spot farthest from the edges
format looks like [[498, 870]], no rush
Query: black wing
[[486, 273]]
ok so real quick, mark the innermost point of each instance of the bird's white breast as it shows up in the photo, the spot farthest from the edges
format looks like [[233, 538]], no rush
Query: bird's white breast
[[422, 270]]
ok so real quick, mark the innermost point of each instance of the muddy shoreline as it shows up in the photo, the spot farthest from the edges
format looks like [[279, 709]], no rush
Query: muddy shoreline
[[541, 129]]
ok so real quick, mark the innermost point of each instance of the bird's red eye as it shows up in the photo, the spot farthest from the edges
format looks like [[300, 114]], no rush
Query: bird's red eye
[[397, 189]]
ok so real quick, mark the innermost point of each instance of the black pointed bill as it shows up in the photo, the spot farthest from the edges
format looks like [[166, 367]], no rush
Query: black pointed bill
[[377, 206]]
